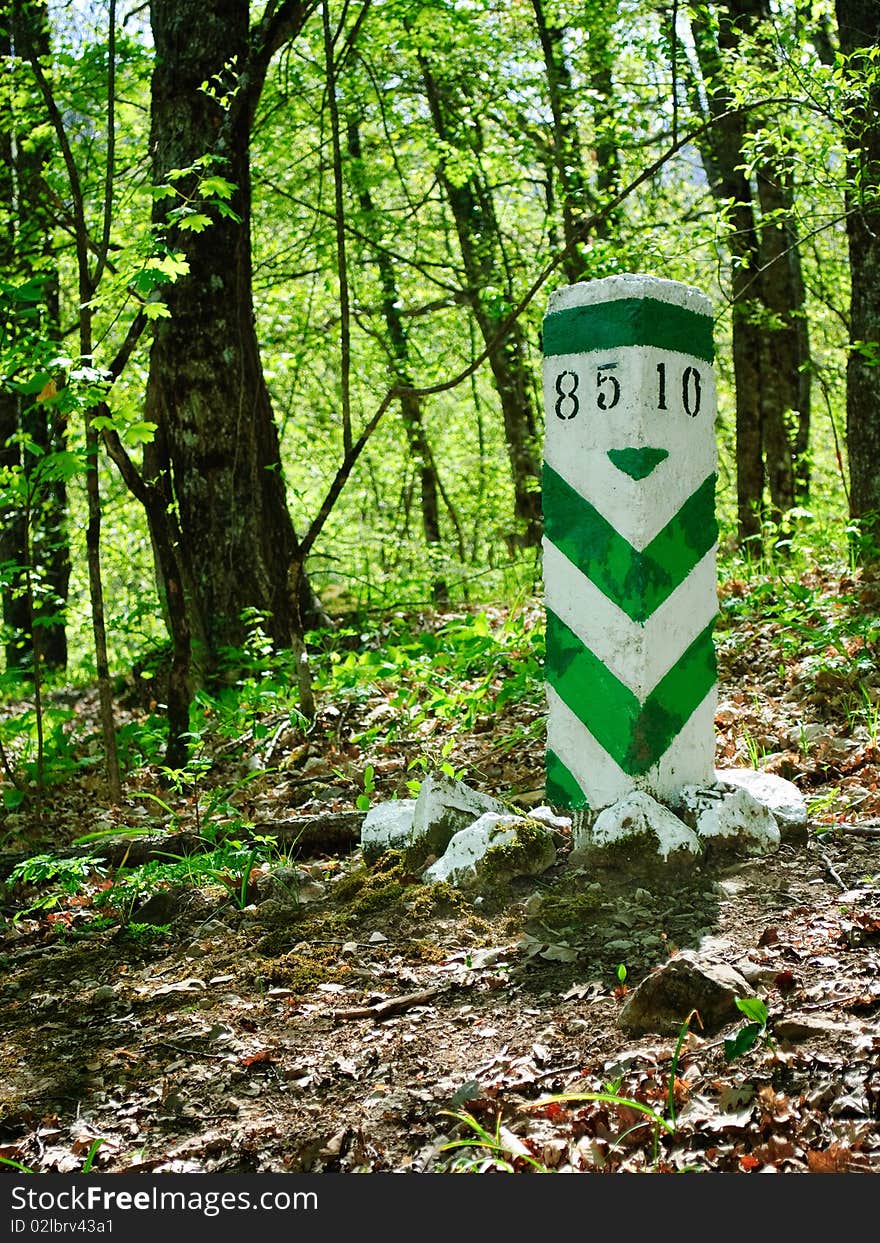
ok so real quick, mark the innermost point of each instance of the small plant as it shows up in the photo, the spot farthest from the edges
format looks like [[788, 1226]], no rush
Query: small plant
[[91, 1154], [755, 752], [751, 1032], [611, 1095], [87, 1164], [363, 800], [65, 877], [442, 765], [493, 1150], [144, 934]]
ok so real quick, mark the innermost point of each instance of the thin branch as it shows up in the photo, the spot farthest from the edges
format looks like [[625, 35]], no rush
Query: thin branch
[[79, 214], [341, 259], [399, 390], [109, 178]]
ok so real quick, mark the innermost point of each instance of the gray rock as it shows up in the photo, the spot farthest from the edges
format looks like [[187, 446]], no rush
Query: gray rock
[[162, 907], [639, 821], [493, 850], [445, 806], [730, 815], [281, 884], [665, 998], [105, 993], [387, 826], [781, 797]]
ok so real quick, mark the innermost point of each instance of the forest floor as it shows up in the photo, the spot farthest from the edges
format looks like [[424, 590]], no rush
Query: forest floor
[[371, 1022]]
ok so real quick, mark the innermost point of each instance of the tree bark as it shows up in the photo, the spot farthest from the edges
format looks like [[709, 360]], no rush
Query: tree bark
[[771, 353], [568, 162], [217, 447], [858, 24], [410, 402], [25, 253]]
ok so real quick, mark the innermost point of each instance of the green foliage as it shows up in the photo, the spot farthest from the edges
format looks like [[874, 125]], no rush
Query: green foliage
[[750, 1033], [228, 865], [465, 669], [60, 878], [489, 1150], [146, 934]]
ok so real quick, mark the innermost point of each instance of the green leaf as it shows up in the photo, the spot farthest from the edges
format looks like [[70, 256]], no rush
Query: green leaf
[[140, 433], [156, 310], [196, 223], [216, 187], [611, 1099], [753, 1008], [742, 1041], [363, 802]]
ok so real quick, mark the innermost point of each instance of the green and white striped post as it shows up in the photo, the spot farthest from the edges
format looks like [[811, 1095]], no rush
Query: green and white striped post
[[630, 540]]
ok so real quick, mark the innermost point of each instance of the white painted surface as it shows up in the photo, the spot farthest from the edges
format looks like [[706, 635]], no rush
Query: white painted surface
[[577, 448], [387, 826], [629, 285], [439, 794], [732, 815], [460, 863], [639, 654], [779, 796], [689, 759]]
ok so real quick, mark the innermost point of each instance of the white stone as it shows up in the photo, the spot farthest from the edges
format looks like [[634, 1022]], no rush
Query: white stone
[[732, 815], [637, 815], [443, 807], [781, 797], [465, 858], [547, 817], [387, 826]]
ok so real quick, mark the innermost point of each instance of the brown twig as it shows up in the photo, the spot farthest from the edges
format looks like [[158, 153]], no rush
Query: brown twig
[[393, 1005]]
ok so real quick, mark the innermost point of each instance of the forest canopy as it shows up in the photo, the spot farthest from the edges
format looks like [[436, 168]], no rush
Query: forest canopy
[[272, 282]]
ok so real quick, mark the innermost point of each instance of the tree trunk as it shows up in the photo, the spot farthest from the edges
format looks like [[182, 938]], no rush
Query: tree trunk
[[859, 32], [601, 56], [771, 353], [473, 211], [410, 403], [568, 162], [25, 253], [217, 446], [785, 370]]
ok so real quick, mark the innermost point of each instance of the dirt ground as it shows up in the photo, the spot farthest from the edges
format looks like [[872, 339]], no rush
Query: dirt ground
[[369, 1022]]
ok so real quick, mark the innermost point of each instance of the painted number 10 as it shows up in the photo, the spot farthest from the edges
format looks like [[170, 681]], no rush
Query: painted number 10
[[691, 391]]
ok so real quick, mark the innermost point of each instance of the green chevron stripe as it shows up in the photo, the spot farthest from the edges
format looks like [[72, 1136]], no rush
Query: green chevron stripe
[[634, 734], [628, 321], [638, 582], [562, 790]]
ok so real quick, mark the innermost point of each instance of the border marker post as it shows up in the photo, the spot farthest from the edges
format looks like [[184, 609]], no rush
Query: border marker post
[[630, 540]]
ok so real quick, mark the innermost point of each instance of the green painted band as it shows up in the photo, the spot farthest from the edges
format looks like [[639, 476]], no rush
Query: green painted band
[[628, 321], [637, 463], [562, 789], [637, 582], [634, 734]]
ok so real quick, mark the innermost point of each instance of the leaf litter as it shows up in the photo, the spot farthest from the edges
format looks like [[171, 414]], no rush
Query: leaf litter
[[379, 1026]]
